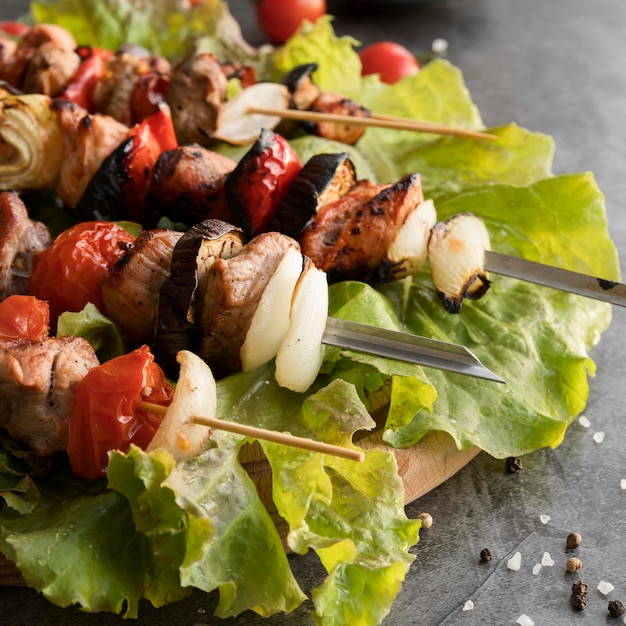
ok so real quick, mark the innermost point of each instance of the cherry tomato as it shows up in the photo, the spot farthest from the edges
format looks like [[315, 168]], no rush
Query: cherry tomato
[[105, 414], [69, 273], [390, 60], [280, 19], [16, 29], [24, 317]]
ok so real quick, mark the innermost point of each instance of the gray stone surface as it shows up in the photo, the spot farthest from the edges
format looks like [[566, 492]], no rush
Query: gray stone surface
[[556, 67]]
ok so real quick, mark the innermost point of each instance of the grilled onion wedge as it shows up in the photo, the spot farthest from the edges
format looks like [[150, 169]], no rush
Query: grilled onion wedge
[[456, 250]]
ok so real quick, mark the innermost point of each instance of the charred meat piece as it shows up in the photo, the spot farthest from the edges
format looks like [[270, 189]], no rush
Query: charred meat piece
[[323, 179], [130, 289], [194, 255], [187, 185], [349, 238], [37, 383], [87, 141], [196, 92], [20, 238], [48, 33], [304, 92], [246, 74], [261, 180], [112, 95], [49, 69], [229, 297], [338, 105]]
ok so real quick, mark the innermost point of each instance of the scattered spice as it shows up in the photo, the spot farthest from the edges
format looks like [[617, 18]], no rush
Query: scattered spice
[[604, 587], [427, 520], [544, 519], [524, 620], [515, 562], [468, 606], [486, 555], [514, 465], [573, 564], [573, 541], [616, 608], [584, 421], [547, 560], [580, 588], [579, 601], [598, 437], [537, 568]]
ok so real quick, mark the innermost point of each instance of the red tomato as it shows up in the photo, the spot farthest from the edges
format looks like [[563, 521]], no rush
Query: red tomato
[[69, 273], [280, 19], [105, 414], [92, 67], [24, 317], [16, 29], [390, 60]]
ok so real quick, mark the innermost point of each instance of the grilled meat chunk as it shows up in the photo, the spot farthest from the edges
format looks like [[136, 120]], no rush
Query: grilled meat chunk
[[87, 141], [230, 295], [349, 238], [20, 237], [37, 383], [130, 289], [346, 133], [49, 70], [196, 92], [187, 185]]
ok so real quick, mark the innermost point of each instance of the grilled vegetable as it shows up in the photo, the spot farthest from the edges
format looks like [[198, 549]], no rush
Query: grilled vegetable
[[260, 182], [194, 254], [323, 179], [456, 251]]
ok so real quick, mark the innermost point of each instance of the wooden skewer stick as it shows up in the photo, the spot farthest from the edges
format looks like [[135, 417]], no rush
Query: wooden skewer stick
[[380, 121], [265, 434]]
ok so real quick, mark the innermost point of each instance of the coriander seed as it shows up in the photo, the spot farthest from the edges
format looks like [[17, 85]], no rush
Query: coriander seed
[[573, 540], [616, 608], [427, 520], [573, 564], [486, 555], [580, 588]]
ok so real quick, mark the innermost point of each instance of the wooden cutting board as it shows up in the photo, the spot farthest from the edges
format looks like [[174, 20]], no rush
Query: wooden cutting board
[[422, 468]]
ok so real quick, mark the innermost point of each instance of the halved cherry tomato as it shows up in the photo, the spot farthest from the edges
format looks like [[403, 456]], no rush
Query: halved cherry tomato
[[280, 19], [24, 317], [389, 60], [16, 29], [69, 273], [105, 414], [92, 67], [261, 180]]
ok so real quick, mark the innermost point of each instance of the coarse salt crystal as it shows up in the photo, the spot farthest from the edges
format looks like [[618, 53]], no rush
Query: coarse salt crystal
[[605, 587], [544, 519], [547, 560], [622, 483], [524, 620], [598, 437], [584, 421], [468, 606], [439, 46], [537, 568], [515, 562]]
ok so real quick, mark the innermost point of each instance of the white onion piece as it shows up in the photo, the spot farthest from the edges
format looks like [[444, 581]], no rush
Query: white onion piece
[[195, 395], [456, 250], [236, 126], [409, 250], [301, 353], [270, 321]]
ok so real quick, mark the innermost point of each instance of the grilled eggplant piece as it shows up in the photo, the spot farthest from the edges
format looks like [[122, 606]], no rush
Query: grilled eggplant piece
[[339, 105], [260, 182], [188, 185], [37, 383], [456, 251], [349, 238], [230, 296], [409, 249], [194, 255], [130, 288], [20, 238], [323, 179], [301, 87], [196, 93]]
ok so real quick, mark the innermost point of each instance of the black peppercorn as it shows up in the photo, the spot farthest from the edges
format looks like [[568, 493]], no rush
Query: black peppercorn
[[580, 588], [486, 555], [573, 541], [616, 608], [579, 601], [514, 465]]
